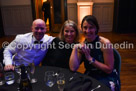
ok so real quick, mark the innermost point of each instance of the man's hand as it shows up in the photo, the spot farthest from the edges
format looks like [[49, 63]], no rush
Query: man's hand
[[8, 67]]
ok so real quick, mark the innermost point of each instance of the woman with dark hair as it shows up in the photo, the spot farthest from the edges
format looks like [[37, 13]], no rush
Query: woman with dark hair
[[96, 52], [61, 47]]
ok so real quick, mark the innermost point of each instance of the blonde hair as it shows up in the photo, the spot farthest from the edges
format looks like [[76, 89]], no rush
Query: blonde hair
[[73, 25]]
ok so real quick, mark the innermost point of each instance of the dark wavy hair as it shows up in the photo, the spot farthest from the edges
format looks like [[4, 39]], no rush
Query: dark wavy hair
[[92, 21], [73, 25]]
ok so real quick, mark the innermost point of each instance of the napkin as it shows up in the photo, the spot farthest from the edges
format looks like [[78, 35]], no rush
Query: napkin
[[79, 83]]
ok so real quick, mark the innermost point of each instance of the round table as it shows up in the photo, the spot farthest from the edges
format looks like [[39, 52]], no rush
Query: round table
[[41, 86]]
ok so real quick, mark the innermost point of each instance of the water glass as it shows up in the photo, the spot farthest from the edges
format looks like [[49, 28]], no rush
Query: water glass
[[49, 78], [17, 69], [9, 78], [61, 81], [2, 80], [32, 70]]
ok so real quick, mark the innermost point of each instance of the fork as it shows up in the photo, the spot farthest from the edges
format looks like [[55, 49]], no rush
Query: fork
[[96, 88]]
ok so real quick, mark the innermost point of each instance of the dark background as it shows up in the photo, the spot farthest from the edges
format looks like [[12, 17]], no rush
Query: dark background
[[124, 16]]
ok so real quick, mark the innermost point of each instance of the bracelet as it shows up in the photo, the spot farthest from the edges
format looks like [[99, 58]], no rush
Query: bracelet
[[92, 61]]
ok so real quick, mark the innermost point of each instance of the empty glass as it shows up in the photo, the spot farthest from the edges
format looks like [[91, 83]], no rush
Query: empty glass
[[2, 80], [49, 78], [9, 78], [32, 70], [17, 69]]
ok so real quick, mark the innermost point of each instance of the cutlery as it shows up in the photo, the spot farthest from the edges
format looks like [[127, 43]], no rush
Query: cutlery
[[96, 88], [71, 78]]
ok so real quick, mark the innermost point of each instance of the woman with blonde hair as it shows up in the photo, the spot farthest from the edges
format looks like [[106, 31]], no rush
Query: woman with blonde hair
[[59, 54]]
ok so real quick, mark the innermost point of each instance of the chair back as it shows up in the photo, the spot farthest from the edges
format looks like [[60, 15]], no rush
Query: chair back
[[117, 61], [1, 55]]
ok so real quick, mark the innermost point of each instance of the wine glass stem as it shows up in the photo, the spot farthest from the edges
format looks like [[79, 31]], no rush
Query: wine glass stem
[[50, 88], [60, 89], [18, 80], [32, 76]]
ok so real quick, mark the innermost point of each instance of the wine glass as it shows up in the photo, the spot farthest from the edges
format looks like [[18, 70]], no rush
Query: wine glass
[[17, 69], [2, 81], [9, 78], [61, 81], [32, 70], [49, 78]]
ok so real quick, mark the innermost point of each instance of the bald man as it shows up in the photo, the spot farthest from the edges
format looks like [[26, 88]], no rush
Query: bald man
[[29, 47]]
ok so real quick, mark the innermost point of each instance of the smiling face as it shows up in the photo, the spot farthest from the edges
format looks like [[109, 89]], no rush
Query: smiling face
[[69, 34], [38, 29], [89, 31]]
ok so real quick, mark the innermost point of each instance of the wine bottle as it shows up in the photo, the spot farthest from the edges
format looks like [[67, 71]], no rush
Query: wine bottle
[[25, 84]]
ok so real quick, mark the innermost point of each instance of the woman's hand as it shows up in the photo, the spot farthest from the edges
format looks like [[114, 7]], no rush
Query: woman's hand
[[86, 51]]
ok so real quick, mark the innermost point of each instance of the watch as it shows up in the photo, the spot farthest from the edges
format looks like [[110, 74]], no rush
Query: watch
[[92, 61]]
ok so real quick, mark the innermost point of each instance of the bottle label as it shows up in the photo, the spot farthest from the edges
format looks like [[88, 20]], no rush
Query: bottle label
[[25, 84]]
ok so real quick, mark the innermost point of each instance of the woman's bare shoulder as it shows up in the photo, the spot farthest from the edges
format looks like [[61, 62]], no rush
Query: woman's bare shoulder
[[104, 40]]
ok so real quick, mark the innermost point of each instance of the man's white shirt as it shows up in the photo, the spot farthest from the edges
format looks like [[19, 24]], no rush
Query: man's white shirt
[[23, 50]]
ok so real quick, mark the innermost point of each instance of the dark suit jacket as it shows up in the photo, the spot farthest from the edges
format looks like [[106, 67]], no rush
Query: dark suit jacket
[[46, 9]]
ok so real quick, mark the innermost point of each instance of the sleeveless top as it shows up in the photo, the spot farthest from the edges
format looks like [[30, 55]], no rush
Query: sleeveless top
[[95, 52]]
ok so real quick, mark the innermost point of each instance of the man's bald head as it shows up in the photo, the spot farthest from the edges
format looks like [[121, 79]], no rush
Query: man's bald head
[[38, 21], [38, 28]]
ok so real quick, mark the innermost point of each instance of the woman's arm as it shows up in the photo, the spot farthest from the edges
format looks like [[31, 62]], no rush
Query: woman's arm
[[75, 58], [108, 64]]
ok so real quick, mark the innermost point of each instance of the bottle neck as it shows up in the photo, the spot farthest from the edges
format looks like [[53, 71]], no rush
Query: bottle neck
[[25, 84], [23, 72]]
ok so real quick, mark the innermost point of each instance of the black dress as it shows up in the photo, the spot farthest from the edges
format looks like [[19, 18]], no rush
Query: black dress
[[59, 55]]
